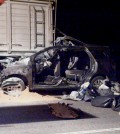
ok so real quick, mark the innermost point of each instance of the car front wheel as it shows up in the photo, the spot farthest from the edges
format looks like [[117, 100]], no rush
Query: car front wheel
[[13, 86]]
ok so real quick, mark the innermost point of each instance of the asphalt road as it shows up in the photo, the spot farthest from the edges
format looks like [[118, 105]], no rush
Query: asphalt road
[[37, 119]]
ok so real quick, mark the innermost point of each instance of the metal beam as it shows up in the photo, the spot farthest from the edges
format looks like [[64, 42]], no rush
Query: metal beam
[[9, 26]]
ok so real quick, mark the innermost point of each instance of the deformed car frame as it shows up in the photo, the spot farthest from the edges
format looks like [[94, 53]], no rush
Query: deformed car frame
[[64, 66]]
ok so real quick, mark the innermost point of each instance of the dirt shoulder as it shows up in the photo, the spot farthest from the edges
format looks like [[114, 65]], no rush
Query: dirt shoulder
[[26, 97]]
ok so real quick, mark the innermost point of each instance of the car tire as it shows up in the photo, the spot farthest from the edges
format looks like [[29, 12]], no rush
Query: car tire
[[96, 82], [13, 85]]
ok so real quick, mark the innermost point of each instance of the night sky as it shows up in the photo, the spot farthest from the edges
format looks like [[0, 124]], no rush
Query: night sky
[[95, 23], [91, 22]]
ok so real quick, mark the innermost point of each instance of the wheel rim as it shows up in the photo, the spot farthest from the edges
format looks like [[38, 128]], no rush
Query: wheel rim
[[13, 86], [97, 83], [17, 87]]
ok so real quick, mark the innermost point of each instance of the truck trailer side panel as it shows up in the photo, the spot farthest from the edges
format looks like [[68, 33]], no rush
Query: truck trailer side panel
[[25, 27]]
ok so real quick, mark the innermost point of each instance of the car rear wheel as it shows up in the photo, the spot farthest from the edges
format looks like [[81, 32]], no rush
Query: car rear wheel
[[96, 82], [13, 86]]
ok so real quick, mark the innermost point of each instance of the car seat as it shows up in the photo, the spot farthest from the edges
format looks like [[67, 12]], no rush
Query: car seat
[[73, 72]]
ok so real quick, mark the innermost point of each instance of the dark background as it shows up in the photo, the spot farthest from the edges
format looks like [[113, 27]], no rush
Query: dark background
[[93, 22]]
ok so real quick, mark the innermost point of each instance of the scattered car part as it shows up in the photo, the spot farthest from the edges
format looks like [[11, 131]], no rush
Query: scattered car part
[[63, 110], [13, 86]]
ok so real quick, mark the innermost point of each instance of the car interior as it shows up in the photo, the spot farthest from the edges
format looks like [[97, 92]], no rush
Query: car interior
[[58, 66]]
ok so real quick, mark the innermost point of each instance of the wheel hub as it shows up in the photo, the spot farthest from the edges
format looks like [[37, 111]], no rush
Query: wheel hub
[[13, 86]]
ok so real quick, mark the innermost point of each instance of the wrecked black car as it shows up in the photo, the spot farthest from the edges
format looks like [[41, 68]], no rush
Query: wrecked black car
[[66, 65]]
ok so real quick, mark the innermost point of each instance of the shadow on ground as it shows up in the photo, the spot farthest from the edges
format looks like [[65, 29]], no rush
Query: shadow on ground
[[26, 114], [54, 92]]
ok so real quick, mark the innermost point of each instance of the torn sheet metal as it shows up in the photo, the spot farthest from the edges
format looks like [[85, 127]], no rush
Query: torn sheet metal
[[23, 61], [6, 61], [9, 61], [63, 110]]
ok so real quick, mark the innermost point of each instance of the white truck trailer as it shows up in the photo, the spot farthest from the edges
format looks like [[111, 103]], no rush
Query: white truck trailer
[[26, 26]]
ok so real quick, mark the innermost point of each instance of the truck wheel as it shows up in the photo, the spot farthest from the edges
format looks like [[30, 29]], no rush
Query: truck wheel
[[96, 82], [13, 86]]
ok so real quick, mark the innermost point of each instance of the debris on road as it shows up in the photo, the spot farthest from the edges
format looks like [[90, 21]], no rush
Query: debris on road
[[107, 95], [63, 110], [102, 101], [74, 95], [116, 88], [116, 103], [109, 88], [82, 94]]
